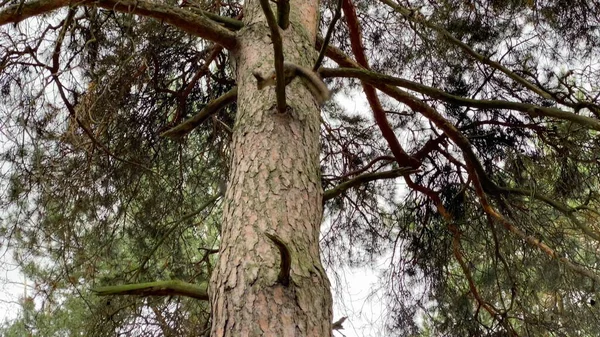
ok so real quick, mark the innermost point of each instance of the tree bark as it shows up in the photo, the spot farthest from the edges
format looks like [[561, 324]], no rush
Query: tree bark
[[274, 191]]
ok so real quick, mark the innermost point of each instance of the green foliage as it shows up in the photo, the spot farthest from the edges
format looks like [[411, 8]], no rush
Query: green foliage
[[78, 215]]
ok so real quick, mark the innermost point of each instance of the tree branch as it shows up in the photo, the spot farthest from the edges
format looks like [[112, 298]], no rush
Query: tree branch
[[338, 325], [330, 29], [420, 19], [285, 255], [211, 108], [230, 23], [197, 25], [278, 56], [365, 178], [531, 109], [159, 288], [353, 24], [19, 12]]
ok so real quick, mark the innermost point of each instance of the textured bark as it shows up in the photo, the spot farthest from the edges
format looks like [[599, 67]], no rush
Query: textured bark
[[274, 189]]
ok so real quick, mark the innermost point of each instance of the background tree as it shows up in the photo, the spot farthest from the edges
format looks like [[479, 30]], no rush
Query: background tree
[[121, 119]]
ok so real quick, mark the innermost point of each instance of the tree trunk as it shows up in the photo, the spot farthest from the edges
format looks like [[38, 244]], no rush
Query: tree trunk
[[274, 189]]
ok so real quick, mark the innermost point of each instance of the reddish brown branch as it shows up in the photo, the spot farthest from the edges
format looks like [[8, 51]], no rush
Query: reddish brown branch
[[402, 157], [202, 71]]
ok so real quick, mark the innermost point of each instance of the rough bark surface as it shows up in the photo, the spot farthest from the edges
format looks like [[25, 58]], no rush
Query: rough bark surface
[[274, 187]]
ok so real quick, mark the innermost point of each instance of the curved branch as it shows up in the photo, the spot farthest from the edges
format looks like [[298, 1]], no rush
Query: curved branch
[[197, 25], [531, 109], [285, 266], [353, 24]]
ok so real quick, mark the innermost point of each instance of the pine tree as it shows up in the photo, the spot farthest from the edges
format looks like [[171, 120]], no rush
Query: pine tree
[[141, 158]]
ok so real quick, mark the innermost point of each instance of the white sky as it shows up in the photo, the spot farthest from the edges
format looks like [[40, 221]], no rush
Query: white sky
[[11, 286]]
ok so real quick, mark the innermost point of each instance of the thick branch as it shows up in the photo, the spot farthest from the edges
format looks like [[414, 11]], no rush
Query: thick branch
[[230, 23], [159, 288], [428, 112], [353, 24], [531, 109], [19, 12], [185, 20]]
